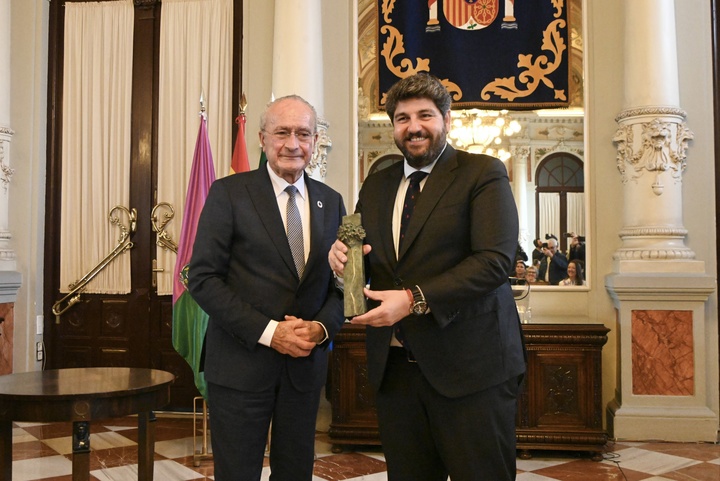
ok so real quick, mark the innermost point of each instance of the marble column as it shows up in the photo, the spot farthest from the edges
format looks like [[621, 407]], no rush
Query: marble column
[[658, 286], [520, 157], [298, 65], [7, 254]]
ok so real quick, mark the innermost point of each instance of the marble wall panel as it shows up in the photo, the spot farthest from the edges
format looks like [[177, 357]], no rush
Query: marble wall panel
[[6, 338], [662, 353]]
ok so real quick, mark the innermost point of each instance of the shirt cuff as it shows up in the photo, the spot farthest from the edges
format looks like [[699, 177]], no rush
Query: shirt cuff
[[268, 333], [339, 282], [324, 330]]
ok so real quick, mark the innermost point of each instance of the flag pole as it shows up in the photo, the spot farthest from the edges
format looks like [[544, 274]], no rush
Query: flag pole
[[240, 161]]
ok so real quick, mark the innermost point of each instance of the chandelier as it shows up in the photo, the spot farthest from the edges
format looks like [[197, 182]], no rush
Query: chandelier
[[483, 131]]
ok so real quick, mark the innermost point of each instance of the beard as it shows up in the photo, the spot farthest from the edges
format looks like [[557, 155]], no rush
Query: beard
[[426, 157]]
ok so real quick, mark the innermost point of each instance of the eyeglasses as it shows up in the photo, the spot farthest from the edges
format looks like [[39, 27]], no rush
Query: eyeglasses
[[303, 136]]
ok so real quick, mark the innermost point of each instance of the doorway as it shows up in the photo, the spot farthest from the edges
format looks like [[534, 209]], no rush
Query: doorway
[[135, 329]]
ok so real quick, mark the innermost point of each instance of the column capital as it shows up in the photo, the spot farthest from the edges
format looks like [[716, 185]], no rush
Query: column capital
[[652, 140]]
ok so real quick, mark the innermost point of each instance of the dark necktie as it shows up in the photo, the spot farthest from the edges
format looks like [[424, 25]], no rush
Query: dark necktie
[[411, 197], [294, 231]]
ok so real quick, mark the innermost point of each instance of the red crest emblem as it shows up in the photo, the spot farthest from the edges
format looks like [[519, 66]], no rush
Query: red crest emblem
[[470, 14]]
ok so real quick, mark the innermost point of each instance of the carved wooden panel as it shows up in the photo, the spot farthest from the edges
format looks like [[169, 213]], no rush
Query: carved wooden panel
[[354, 420]]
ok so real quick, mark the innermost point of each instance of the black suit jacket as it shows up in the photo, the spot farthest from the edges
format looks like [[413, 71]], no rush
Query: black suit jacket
[[459, 247], [242, 274], [558, 268]]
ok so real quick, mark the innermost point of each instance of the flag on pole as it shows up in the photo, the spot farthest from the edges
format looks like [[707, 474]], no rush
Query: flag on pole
[[240, 162], [189, 320]]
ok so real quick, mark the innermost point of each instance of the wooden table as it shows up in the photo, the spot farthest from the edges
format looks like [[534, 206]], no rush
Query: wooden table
[[82, 395]]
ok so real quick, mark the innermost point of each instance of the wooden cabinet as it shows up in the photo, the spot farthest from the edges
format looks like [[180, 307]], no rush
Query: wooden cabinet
[[559, 407], [354, 420]]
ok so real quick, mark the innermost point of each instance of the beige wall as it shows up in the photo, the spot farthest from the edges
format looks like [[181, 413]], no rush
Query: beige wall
[[604, 33], [28, 113]]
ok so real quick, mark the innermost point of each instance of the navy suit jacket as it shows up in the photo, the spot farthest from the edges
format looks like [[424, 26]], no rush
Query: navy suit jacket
[[242, 274], [558, 268], [459, 247]]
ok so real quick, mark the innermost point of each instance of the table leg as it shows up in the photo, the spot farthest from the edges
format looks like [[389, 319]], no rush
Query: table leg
[[6, 450], [81, 451], [146, 445]]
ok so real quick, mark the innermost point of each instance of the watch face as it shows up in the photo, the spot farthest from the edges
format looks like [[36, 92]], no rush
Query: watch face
[[419, 308]]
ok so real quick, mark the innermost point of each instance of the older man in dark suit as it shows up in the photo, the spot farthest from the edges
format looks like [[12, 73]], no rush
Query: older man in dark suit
[[444, 343], [259, 269], [553, 267]]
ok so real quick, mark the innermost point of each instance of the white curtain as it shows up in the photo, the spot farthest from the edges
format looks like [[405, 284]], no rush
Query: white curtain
[[195, 59], [576, 212], [97, 93], [549, 221]]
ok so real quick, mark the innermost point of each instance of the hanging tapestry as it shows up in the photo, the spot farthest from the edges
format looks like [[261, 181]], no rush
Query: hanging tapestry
[[490, 54]]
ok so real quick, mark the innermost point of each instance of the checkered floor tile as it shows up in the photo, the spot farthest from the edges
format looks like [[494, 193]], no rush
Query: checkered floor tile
[[43, 452]]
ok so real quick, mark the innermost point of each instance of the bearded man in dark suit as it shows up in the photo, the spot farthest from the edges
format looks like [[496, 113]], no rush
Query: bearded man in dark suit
[[444, 343], [273, 310]]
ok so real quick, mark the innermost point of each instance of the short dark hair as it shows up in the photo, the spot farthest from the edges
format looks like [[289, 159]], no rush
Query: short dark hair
[[421, 85]]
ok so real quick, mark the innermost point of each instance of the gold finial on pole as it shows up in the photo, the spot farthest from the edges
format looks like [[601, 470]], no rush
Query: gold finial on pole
[[243, 103]]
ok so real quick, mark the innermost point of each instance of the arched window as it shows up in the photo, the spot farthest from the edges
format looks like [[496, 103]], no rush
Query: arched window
[[559, 196], [385, 161]]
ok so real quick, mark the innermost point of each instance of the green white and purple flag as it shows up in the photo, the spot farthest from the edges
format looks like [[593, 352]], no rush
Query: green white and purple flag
[[189, 320]]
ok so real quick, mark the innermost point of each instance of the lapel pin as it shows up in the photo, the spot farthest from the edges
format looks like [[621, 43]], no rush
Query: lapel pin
[[319, 204]]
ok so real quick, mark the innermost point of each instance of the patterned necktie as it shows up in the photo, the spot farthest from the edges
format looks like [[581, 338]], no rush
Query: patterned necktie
[[411, 196], [294, 231]]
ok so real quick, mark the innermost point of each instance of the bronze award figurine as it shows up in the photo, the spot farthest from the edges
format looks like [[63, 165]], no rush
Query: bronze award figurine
[[351, 233]]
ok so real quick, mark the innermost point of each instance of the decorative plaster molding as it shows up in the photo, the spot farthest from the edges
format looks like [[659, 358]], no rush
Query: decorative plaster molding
[[541, 152], [670, 235], [562, 131], [520, 153], [651, 111], [680, 253], [318, 163], [7, 131], [374, 124], [655, 146], [6, 172], [653, 231], [7, 255]]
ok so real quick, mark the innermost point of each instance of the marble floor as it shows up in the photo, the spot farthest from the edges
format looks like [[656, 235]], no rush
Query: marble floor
[[43, 452]]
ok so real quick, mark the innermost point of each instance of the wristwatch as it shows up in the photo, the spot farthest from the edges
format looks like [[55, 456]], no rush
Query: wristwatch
[[419, 305]]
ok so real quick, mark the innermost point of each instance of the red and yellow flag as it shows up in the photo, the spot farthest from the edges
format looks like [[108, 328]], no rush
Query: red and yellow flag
[[240, 161]]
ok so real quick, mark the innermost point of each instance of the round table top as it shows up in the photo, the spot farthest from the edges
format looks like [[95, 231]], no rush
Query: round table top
[[78, 382]]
